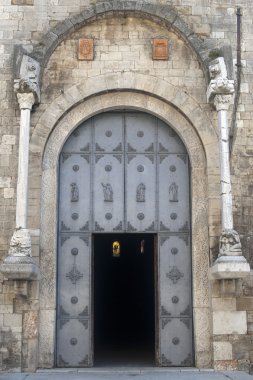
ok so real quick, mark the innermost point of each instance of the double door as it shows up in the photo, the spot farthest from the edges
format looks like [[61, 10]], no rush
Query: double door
[[124, 172]]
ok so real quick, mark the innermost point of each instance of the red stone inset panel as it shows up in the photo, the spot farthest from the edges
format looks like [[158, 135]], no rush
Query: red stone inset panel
[[160, 49], [85, 49]]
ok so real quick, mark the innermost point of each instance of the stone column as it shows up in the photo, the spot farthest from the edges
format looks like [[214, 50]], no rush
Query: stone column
[[19, 264], [222, 103], [231, 263]]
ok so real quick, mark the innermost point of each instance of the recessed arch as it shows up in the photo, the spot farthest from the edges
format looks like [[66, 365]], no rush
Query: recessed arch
[[162, 13], [53, 142]]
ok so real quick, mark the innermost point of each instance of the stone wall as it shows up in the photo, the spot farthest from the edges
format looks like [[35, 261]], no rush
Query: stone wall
[[123, 43]]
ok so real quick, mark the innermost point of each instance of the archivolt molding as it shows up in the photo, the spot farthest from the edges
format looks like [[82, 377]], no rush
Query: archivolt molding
[[54, 138], [133, 82], [162, 13]]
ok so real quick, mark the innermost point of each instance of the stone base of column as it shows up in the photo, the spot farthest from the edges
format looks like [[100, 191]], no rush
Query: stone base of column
[[19, 270], [230, 267], [19, 265]]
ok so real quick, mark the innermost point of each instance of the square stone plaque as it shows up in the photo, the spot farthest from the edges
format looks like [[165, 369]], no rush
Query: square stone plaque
[[85, 49], [160, 49]]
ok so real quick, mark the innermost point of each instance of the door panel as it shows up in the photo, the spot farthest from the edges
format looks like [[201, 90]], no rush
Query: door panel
[[74, 195], [108, 133], [174, 193], [124, 172], [140, 133], [73, 314], [175, 277], [176, 345], [108, 190], [140, 193]]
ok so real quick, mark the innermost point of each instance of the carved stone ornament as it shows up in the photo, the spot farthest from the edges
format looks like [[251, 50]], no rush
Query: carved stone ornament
[[230, 244], [19, 265], [219, 83], [25, 100], [222, 102], [20, 244], [29, 78]]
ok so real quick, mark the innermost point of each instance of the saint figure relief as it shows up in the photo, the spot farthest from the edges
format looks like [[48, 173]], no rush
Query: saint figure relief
[[74, 192], [108, 192], [140, 193], [173, 192]]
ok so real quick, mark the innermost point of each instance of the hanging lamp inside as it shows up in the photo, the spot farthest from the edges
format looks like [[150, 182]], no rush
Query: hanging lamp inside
[[116, 249]]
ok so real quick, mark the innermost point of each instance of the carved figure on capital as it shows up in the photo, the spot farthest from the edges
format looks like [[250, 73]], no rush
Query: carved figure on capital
[[29, 77], [20, 244], [230, 244], [219, 83]]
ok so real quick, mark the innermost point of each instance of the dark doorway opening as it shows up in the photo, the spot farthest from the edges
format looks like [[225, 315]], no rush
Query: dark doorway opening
[[124, 300]]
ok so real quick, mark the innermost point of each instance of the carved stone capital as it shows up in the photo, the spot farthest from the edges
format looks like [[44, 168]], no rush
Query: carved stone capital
[[26, 100], [29, 78], [222, 102], [219, 83]]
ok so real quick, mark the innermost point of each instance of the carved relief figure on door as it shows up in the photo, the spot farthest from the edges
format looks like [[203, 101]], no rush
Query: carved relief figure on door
[[74, 192], [140, 193], [108, 192], [173, 192]]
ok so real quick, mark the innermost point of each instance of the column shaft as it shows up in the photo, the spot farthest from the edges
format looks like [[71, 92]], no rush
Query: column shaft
[[22, 185], [226, 194]]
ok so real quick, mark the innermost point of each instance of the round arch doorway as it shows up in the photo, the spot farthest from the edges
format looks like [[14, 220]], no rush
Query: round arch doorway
[[124, 173]]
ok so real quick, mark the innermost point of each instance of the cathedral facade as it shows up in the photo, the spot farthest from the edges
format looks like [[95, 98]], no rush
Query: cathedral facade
[[126, 186]]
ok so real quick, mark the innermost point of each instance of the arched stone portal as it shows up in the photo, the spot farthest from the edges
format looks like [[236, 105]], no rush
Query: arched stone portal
[[53, 144], [124, 182]]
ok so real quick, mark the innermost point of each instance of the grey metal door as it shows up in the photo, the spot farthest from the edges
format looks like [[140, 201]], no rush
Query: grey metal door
[[124, 172]]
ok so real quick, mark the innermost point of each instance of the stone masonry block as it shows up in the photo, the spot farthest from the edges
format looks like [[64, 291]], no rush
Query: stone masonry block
[[182, 26], [9, 139], [229, 322], [63, 28], [222, 351], [224, 303], [5, 149], [245, 303], [9, 193], [13, 320], [5, 182]]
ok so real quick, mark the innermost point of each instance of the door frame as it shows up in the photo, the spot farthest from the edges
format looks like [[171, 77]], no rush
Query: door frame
[[162, 110]]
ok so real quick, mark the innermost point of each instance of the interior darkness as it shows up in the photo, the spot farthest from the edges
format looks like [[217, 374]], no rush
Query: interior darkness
[[124, 300]]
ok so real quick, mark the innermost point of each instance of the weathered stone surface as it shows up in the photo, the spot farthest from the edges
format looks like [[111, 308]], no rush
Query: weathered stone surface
[[22, 2], [222, 351], [30, 324], [229, 322]]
